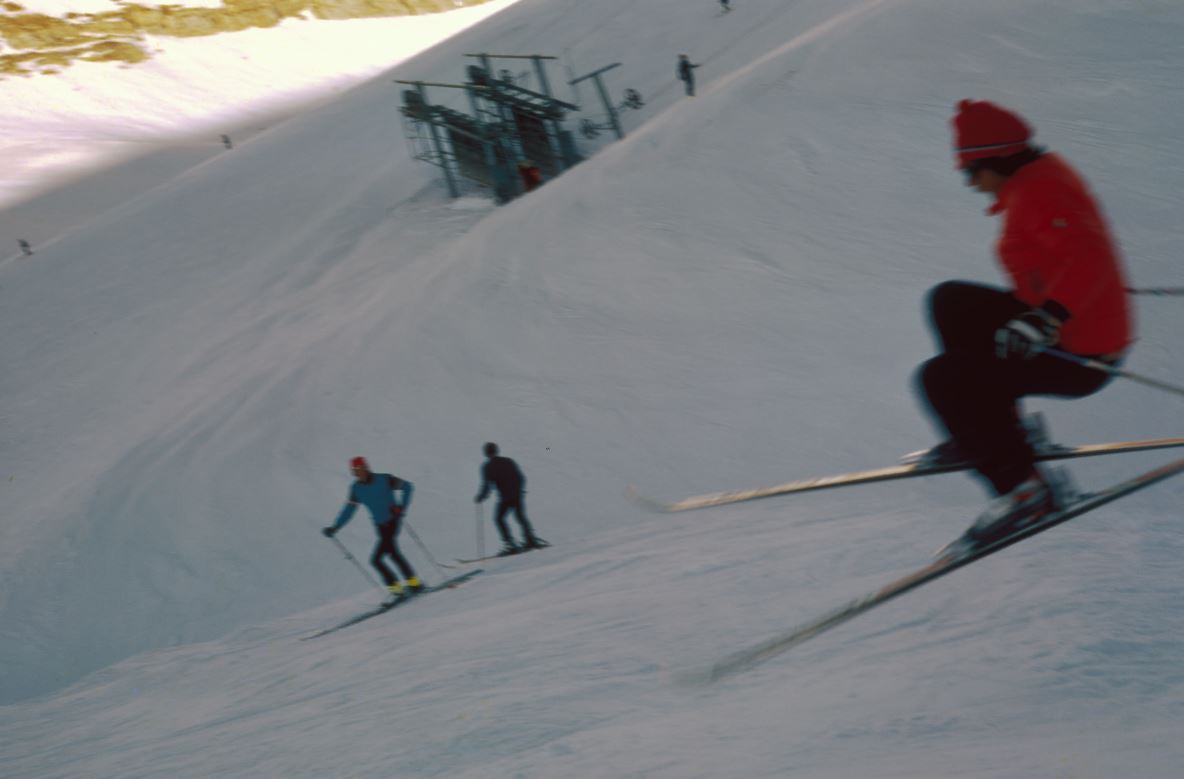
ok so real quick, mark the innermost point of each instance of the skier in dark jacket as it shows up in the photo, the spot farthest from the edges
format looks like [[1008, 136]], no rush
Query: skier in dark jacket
[[686, 73], [505, 475], [376, 491]]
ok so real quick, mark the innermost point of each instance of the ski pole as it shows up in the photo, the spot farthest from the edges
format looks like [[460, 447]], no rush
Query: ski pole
[[415, 537], [1167, 291], [358, 565], [1101, 366], [480, 531]]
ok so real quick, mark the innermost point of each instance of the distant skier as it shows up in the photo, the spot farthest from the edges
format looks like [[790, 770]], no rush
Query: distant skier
[[376, 491], [1067, 291], [686, 73], [530, 174], [504, 474]]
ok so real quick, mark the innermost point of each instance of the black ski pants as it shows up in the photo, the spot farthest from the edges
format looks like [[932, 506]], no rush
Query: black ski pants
[[388, 546], [504, 507], [974, 394]]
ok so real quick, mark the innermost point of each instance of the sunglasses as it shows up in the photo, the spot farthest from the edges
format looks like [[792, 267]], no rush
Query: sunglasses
[[970, 171]]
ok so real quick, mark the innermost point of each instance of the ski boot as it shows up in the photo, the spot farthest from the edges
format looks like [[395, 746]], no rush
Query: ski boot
[[396, 595], [947, 452], [1035, 497], [509, 549], [1036, 434], [534, 542]]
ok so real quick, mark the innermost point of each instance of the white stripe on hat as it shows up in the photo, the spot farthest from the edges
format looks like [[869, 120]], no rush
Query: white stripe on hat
[[989, 146]]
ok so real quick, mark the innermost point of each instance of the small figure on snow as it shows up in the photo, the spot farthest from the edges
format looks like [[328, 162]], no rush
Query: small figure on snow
[[530, 174], [686, 73], [1067, 291], [376, 491], [504, 474]]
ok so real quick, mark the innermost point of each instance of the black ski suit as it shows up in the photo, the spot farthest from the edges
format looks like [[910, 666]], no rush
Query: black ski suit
[[686, 74], [504, 474]]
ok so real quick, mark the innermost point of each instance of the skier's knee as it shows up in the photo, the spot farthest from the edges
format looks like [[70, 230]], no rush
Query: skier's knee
[[931, 376], [943, 300]]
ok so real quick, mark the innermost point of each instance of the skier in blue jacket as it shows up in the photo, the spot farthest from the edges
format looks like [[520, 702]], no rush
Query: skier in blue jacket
[[376, 491]]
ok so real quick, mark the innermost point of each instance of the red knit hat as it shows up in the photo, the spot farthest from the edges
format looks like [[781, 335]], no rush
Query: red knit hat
[[359, 462], [983, 130]]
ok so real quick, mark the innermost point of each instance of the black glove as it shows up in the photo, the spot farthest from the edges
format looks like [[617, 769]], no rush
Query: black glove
[[329, 532], [1031, 332]]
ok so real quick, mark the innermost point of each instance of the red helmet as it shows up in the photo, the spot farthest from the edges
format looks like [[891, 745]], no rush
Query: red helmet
[[359, 462]]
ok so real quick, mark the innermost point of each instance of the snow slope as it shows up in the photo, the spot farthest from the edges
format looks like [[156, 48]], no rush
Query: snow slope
[[177, 104], [728, 297]]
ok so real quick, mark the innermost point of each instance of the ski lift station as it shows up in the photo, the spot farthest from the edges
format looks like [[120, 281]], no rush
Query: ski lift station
[[513, 137]]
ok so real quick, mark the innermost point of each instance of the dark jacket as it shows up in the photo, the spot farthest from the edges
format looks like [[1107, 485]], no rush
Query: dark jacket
[[504, 474]]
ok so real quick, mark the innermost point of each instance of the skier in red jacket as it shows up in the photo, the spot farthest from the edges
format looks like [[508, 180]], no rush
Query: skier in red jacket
[[1067, 290]]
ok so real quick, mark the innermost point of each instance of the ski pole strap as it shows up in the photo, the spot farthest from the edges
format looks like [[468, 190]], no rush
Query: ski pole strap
[[1098, 365]]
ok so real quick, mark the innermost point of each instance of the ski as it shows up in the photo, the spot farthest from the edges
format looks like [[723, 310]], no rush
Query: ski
[[462, 561], [499, 556], [903, 471], [448, 584], [759, 653]]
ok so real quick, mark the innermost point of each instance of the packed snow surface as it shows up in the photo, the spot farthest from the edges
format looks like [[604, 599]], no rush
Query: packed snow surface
[[728, 297]]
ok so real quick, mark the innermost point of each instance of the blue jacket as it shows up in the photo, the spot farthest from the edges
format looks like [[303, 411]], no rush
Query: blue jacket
[[378, 495]]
